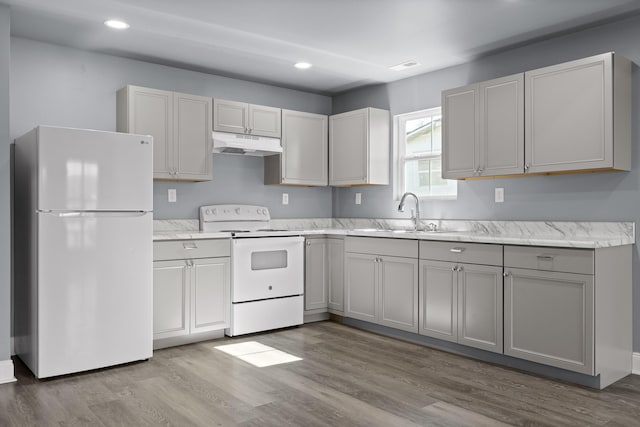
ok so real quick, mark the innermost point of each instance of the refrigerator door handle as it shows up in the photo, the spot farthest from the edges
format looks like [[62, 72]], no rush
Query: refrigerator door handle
[[118, 214]]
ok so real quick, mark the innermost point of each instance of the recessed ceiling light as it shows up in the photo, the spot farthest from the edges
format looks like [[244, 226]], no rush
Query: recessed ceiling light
[[302, 65], [116, 25], [405, 65]]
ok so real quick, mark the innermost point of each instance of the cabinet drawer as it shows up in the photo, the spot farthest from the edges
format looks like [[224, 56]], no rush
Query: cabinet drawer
[[377, 246], [191, 249], [472, 253], [551, 259]]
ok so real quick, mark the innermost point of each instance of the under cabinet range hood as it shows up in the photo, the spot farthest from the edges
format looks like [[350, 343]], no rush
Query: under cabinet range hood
[[249, 145]]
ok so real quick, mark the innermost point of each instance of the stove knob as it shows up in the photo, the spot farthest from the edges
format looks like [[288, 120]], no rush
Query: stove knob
[[258, 211], [264, 211], [208, 212], [238, 211], [214, 212]]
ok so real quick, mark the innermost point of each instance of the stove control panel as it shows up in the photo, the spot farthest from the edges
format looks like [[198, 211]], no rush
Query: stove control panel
[[215, 213]]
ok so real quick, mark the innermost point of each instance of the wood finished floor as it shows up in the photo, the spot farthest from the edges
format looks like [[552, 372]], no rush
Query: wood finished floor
[[347, 377]]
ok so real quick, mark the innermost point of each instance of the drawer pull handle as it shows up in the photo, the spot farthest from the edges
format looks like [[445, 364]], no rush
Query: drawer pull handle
[[190, 246], [457, 250], [545, 257]]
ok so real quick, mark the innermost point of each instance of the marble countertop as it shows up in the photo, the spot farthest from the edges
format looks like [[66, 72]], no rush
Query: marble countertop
[[567, 234]]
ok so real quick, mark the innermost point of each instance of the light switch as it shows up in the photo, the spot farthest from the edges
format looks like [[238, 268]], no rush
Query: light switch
[[499, 195], [171, 195], [285, 198], [358, 198]]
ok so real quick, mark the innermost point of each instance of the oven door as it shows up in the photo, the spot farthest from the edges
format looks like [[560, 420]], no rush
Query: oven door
[[268, 267]]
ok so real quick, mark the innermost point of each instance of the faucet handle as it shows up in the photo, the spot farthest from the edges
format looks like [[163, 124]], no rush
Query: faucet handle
[[432, 227]]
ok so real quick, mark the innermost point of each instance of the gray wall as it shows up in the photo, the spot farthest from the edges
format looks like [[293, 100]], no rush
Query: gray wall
[[595, 197], [5, 178], [61, 86]]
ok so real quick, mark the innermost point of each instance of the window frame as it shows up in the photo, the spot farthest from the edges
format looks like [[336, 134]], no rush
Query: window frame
[[401, 157]]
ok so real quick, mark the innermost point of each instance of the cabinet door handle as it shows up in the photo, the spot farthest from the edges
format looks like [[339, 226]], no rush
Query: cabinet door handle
[[526, 167], [505, 274], [189, 245], [545, 257], [454, 268], [308, 242], [457, 250]]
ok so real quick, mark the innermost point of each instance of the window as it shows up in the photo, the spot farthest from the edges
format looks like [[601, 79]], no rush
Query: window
[[419, 137]]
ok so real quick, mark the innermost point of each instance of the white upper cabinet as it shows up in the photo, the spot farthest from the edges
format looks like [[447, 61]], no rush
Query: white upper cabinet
[[359, 148], [304, 159], [180, 125], [574, 116], [578, 115], [240, 117], [483, 129]]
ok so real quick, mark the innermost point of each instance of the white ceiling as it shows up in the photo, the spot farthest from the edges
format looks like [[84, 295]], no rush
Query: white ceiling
[[349, 42]]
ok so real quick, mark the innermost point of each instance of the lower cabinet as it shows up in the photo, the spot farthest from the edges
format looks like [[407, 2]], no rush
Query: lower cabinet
[[379, 287], [190, 295], [324, 281], [462, 303], [335, 248], [459, 301], [315, 276], [549, 318]]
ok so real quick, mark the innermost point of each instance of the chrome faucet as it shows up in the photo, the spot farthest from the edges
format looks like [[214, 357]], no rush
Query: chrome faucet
[[401, 208]]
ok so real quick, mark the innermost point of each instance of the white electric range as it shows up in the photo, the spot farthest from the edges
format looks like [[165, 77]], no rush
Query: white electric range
[[267, 268]]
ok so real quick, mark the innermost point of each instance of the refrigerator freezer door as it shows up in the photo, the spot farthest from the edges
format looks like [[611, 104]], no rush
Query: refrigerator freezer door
[[94, 290], [94, 170]]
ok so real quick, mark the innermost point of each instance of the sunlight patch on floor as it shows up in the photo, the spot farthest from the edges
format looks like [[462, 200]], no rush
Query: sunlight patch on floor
[[257, 354]]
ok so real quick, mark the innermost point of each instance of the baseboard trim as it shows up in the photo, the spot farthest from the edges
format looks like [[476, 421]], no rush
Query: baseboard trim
[[6, 372], [635, 369]]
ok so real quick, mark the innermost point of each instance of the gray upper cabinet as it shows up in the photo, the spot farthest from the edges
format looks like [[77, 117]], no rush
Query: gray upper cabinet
[[240, 117], [501, 126], [304, 159], [578, 115], [569, 117], [483, 129], [460, 127], [359, 148], [180, 125]]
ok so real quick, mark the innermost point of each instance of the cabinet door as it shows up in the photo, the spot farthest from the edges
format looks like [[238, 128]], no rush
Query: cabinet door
[[569, 122], [210, 291], [151, 113], [264, 121], [548, 318], [230, 116], [438, 300], [480, 306], [348, 148], [305, 148], [460, 129], [336, 274], [361, 294], [192, 137], [502, 126], [399, 293], [315, 278], [170, 299]]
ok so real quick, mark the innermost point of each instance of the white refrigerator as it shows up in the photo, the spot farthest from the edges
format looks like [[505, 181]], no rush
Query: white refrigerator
[[83, 220]]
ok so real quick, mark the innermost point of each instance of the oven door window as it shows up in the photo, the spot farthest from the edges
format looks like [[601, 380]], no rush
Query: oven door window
[[268, 260]]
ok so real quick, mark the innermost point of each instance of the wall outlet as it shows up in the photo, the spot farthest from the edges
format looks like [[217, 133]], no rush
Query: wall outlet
[[499, 195], [285, 198], [358, 198], [172, 195]]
